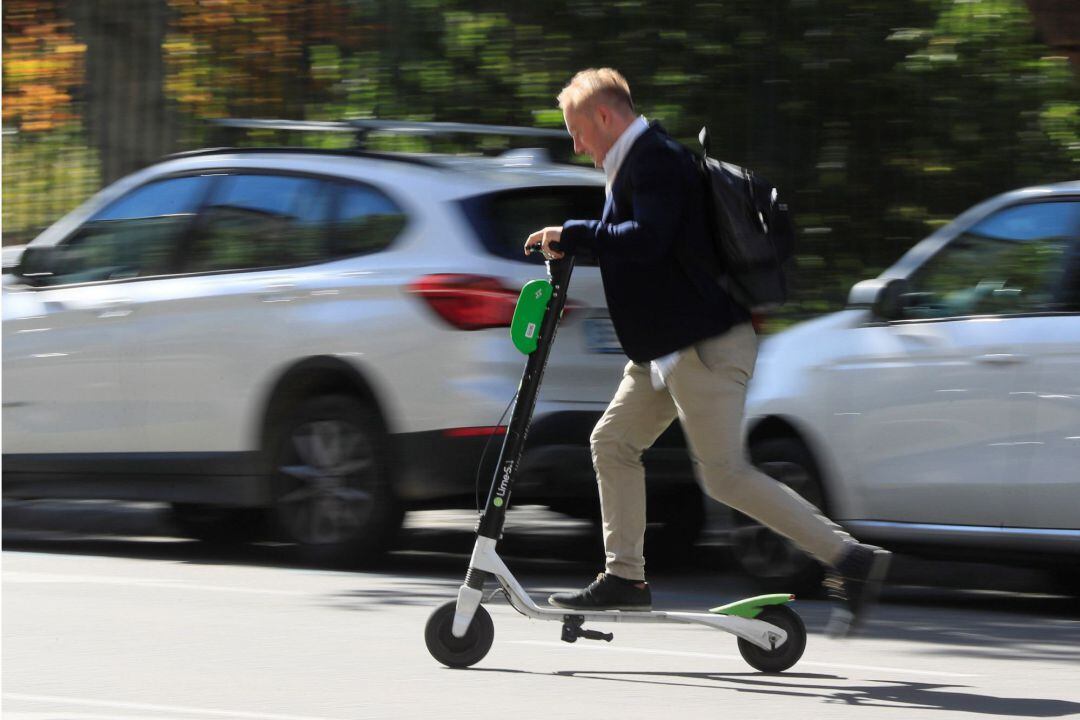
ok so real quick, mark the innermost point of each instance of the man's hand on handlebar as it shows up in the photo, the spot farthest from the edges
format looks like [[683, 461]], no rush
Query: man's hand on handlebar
[[547, 240]]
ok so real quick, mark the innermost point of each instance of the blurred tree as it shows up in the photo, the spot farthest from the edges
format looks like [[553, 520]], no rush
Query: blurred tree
[[43, 66], [879, 120], [126, 113], [47, 166]]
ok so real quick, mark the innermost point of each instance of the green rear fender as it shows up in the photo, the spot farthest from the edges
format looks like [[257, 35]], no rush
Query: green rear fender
[[751, 607], [529, 313]]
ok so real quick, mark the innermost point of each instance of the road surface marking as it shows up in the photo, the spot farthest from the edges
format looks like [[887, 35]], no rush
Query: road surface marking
[[158, 708], [683, 653]]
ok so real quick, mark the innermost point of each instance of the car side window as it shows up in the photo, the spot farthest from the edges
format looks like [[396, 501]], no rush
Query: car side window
[[262, 221], [134, 236], [1014, 261], [367, 221]]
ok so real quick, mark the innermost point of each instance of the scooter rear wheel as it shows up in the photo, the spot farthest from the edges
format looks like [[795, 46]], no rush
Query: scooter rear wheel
[[783, 657], [458, 652]]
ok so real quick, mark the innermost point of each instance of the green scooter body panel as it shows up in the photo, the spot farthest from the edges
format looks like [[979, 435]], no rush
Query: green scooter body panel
[[751, 607], [531, 304]]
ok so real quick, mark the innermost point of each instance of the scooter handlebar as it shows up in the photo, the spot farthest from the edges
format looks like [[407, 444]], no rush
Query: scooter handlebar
[[537, 249]]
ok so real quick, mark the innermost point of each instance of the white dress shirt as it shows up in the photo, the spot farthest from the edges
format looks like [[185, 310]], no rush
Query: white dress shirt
[[615, 156]]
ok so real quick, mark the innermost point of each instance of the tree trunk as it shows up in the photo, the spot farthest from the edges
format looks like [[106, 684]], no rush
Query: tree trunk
[[126, 113], [1058, 22]]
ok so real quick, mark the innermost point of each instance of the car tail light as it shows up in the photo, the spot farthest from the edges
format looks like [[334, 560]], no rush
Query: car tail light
[[468, 302]]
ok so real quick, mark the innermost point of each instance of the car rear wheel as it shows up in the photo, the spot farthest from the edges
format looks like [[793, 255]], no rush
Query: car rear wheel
[[335, 499], [769, 558]]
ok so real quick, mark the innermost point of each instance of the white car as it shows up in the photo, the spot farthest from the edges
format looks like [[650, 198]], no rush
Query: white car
[[940, 412], [318, 334]]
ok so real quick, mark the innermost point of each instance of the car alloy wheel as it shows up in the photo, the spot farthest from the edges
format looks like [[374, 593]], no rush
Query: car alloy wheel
[[334, 467], [336, 498]]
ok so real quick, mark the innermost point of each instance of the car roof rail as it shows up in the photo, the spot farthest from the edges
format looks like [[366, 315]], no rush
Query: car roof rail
[[361, 128], [526, 156], [344, 152], [411, 127]]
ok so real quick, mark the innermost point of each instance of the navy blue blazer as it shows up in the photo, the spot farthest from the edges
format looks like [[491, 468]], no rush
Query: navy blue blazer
[[660, 300]]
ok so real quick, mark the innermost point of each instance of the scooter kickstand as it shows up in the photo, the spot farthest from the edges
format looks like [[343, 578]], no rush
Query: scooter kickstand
[[572, 630]]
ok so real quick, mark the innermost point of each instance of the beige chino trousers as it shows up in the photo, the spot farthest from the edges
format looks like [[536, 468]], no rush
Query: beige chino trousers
[[706, 391]]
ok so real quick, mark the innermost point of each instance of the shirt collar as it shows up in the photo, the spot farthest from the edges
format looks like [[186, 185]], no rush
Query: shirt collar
[[615, 156]]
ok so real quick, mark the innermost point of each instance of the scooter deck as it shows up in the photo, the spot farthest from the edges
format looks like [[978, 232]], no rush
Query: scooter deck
[[761, 634], [746, 608]]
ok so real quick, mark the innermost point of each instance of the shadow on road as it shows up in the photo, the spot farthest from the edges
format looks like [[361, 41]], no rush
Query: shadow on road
[[896, 694], [885, 693]]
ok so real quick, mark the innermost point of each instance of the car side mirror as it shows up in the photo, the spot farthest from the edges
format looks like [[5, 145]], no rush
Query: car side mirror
[[884, 297], [36, 264]]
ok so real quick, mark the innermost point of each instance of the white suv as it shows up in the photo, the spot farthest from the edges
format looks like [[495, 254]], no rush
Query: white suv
[[941, 410], [321, 335]]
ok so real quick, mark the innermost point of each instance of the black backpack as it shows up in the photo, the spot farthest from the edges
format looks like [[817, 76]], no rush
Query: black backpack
[[752, 231]]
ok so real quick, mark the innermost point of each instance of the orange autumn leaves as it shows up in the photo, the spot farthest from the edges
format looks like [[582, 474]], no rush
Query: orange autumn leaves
[[43, 65], [222, 56]]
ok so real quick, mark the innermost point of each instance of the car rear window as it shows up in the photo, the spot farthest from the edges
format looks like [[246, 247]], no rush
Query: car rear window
[[503, 220]]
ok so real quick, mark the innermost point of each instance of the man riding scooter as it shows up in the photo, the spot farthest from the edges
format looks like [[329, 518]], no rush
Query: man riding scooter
[[692, 350]]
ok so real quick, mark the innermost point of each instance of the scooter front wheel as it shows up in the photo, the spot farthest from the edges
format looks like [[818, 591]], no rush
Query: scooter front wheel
[[781, 658], [458, 652]]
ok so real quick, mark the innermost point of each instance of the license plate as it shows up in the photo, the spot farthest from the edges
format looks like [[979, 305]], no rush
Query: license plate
[[600, 336]]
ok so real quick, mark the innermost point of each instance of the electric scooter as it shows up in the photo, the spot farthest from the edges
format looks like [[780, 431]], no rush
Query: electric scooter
[[771, 636]]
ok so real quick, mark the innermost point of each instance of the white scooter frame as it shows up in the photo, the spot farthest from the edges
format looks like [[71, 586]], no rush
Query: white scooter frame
[[459, 633], [485, 557]]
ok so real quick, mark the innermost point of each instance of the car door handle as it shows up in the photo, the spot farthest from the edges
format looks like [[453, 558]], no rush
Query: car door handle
[[925, 337], [1001, 358], [116, 308], [278, 292]]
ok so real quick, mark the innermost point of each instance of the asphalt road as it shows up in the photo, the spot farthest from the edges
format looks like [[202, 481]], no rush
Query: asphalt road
[[141, 625]]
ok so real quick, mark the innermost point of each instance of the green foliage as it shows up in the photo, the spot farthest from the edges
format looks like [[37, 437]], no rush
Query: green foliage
[[45, 176], [878, 120]]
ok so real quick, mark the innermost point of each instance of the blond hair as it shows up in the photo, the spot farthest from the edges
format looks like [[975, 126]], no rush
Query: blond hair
[[606, 84]]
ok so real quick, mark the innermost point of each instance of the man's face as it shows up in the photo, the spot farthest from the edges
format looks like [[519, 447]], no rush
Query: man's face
[[586, 128]]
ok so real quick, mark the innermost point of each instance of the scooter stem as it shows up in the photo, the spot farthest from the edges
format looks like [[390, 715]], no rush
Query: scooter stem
[[493, 518], [494, 515]]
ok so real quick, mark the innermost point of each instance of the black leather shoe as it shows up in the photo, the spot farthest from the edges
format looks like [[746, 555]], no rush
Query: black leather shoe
[[854, 585], [607, 592]]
